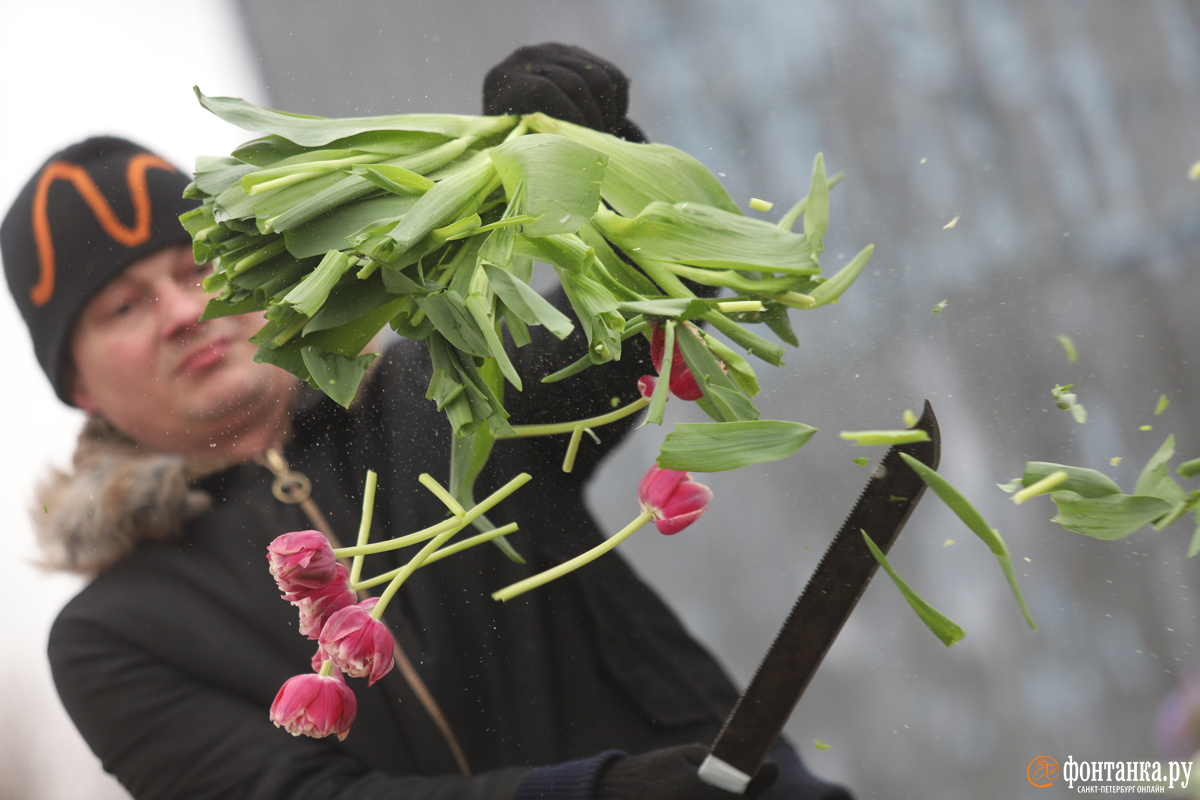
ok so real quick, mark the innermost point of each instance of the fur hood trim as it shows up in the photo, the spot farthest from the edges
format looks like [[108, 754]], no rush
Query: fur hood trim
[[116, 495]]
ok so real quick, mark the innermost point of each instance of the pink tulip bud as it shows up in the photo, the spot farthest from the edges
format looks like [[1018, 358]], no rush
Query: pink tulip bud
[[357, 643], [318, 605], [315, 705], [301, 561], [682, 382], [674, 499]]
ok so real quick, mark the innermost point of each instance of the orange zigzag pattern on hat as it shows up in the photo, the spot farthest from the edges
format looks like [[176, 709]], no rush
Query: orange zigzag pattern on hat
[[135, 177]]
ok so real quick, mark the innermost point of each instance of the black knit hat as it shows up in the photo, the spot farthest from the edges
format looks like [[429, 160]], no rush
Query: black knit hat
[[88, 213]]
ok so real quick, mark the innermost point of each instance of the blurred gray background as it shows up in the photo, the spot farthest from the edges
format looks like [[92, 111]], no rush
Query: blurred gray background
[[1059, 136]]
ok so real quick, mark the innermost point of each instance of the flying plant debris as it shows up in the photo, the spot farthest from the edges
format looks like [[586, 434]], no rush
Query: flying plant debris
[[939, 308], [1067, 401], [942, 626], [1163, 402], [1092, 504], [1068, 347], [966, 512], [886, 437]]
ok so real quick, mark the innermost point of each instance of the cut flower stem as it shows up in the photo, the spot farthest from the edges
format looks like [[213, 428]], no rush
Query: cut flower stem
[[451, 525], [542, 578], [551, 429]]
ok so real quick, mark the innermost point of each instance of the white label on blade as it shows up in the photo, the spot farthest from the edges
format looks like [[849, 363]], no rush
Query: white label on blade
[[716, 772]]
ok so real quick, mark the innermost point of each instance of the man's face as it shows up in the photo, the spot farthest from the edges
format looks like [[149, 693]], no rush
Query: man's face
[[145, 362]]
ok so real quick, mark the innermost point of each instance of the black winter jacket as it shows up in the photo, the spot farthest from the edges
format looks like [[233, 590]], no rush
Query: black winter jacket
[[168, 661]]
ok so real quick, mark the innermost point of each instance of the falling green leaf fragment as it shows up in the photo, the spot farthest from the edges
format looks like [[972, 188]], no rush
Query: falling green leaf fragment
[[1092, 504], [761, 205], [1145, 427], [861, 461], [718, 446], [942, 626], [939, 308], [1084, 482], [1064, 399], [820, 745], [974, 521], [1110, 518], [1194, 172], [1155, 478], [1044, 486], [865, 438], [1068, 347], [1163, 402], [1189, 469]]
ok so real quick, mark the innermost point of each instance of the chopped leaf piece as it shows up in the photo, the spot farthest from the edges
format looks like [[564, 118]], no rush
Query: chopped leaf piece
[[864, 438], [1068, 347], [861, 461], [761, 205], [1067, 401], [966, 512], [717, 446], [939, 308], [942, 626], [1189, 469], [1163, 402], [820, 745], [952, 222]]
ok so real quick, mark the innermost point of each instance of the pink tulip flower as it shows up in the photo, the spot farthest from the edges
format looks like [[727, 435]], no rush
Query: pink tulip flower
[[301, 561], [315, 705], [318, 605], [673, 498], [682, 382], [357, 643]]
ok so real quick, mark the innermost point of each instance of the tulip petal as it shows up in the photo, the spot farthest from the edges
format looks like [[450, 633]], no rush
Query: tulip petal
[[674, 499]]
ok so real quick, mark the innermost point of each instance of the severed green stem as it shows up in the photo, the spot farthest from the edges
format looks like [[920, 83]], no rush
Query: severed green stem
[[364, 527], [439, 554], [452, 525], [554, 428], [533, 582]]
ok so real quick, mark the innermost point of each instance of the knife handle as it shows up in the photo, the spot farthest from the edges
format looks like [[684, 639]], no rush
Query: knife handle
[[716, 772]]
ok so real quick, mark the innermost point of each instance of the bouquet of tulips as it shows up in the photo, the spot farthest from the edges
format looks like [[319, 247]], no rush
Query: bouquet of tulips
[[430, 224]]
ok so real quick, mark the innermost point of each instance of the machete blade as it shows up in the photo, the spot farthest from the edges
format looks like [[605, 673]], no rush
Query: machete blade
[[819, 614]]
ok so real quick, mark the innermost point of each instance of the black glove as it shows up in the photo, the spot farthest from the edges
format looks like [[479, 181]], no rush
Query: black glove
[[564, 82], [670, 774]]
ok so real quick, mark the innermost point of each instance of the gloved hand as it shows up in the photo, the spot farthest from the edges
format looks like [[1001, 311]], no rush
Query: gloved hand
[[670, 774], [564, 82]]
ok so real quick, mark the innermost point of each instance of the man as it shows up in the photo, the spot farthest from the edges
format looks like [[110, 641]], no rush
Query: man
[[194, 458]]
